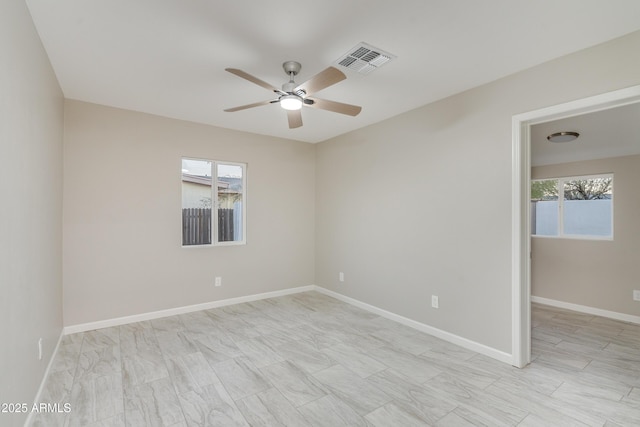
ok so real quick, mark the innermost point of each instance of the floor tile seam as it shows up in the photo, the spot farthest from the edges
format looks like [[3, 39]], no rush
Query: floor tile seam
[[602, 340], [537, 404], [498, 384], [77, 361], [437, 363], [558, 350], [470, 407], [411, 402], [447, 414], [529, 414], [296, 407], [578, 383], [328, 394], [594, 326], [164, 361], [122, 373], [331, 367], [180, 398], [619, 363], [75, 380], [122, 377], [222, 384], [629, 397], [328, 389], [394, 401], [593, 411], [622, 353], [610, 389]]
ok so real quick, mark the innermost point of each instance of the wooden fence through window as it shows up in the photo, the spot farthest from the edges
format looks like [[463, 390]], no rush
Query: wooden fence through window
[[196, 226], [225, 225]]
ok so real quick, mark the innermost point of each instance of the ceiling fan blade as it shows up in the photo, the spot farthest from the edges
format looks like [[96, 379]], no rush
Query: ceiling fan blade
[[322, 80], [244, 107], [253, 79], [295, 118], [336, 107]]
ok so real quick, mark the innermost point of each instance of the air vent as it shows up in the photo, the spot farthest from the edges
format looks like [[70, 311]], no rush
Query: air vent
[[364, 58]]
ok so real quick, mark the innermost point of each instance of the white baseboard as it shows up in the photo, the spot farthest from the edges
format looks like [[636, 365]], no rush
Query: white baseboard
[[181, 310], [587, 310], [438, 333], [36, 399], [447, 336]]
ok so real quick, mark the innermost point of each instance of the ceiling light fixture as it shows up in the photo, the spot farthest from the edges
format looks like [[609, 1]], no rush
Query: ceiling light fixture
[[291, 102], [563, 136]]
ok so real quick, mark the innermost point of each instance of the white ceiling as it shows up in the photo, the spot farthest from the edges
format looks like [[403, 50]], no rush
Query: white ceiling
[[608, 133], [167, 57]]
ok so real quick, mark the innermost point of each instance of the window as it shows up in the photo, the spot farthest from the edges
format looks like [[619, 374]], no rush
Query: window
[[213, 202], [579, 207]]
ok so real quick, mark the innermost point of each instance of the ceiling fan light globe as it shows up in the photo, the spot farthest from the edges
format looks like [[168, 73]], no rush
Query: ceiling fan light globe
[[291, 102]]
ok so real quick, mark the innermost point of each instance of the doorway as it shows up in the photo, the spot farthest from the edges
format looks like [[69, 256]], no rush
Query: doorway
[[521, 221]]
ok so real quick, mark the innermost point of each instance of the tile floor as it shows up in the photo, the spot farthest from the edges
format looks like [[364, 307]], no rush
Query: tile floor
[[310, 360]]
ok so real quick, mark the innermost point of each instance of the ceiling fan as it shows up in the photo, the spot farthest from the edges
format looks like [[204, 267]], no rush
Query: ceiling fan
[[292, 96]]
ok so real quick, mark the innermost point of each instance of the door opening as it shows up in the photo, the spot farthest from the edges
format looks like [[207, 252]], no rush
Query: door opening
[[521, 221]]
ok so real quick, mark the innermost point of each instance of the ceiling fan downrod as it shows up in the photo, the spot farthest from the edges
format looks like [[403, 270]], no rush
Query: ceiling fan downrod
[[292, 68]]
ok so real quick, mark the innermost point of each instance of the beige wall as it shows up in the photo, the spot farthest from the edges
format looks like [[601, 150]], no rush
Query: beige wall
[[594, 273], [122, 215], [31, 119], [420, 204]]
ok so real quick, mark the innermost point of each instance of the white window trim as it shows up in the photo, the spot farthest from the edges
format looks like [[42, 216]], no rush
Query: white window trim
[[215, 204], [561, 234]]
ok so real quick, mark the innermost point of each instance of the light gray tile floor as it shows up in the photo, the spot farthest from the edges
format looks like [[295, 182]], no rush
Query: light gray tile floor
[[310, 360]]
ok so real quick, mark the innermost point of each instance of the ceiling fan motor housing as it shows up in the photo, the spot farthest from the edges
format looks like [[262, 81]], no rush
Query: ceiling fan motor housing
[[289, 87]]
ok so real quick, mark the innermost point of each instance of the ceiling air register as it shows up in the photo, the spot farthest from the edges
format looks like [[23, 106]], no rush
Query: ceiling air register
[[364, 58]]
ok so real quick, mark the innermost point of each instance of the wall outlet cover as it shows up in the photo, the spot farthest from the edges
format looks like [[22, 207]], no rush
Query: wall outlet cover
[[636, 295]]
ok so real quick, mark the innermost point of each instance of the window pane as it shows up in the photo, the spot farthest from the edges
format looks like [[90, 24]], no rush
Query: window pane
[[196, 202], [587, 207], [544, 207], [230, 202]]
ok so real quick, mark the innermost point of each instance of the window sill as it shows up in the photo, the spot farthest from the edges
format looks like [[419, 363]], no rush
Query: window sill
[[571, 237], [216, 245]]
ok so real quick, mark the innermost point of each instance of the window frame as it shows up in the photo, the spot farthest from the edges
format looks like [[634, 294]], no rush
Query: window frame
[[215, 203], [561, 181]]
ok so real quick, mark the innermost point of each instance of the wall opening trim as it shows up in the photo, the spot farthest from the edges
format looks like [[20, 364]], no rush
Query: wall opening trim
[[520, 219]]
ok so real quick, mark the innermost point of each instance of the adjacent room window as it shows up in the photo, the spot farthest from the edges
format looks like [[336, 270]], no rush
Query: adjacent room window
[[579, 207], [213, 202]]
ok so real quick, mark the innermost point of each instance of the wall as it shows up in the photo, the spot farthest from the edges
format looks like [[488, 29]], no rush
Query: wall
[[594, 273], [393, 199], [31, 119], [122, 215]]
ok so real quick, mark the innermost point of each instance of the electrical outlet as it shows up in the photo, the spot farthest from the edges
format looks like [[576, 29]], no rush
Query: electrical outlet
[[218, 281], [40, 349], [341, 276], [434, 301], [636, 295]]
